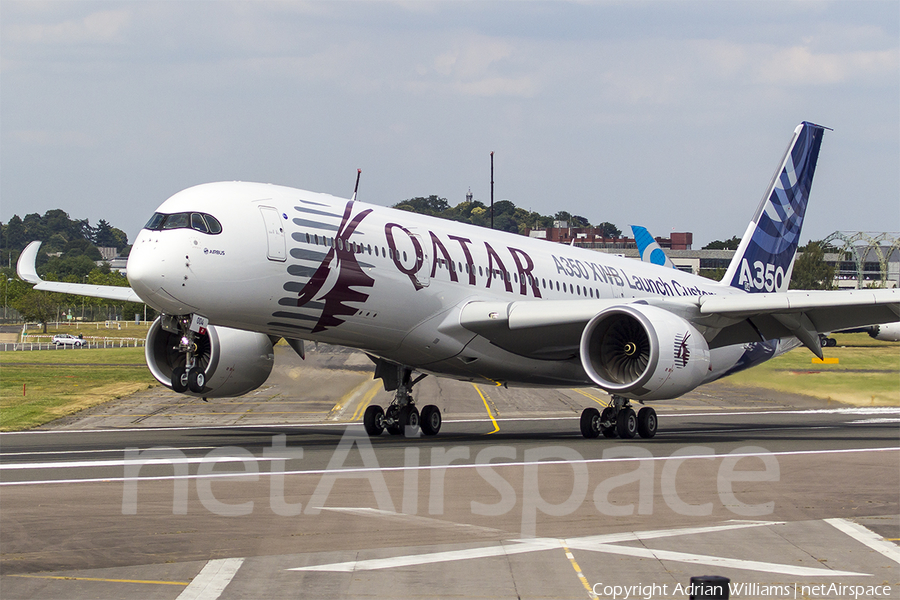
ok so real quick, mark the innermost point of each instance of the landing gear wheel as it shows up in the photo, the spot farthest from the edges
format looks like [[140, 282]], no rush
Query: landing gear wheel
[[196, 380], [608, 416], [373, 420], [647, 422], [392, 418], [430, 420], [626, 424], [409, 421], [590, 423], [180, 380]]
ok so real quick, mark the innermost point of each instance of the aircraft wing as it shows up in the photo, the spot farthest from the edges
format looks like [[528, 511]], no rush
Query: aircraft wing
[[551, 329], [25, 267]]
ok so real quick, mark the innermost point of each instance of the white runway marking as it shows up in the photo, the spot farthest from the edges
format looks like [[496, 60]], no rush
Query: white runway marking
[[212, 579], [597, 543], [866, 536], [496, 465]]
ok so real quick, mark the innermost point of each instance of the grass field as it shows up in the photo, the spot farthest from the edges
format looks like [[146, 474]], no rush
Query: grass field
[[58, 383], [100, 329], [38, 387], [867, 374]]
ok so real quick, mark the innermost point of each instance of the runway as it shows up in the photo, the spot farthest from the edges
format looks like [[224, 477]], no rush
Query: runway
[[279, 495]]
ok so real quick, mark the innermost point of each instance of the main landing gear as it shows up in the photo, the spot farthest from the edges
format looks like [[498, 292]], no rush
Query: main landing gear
[[402, 416], [618, 419], [191, 376]]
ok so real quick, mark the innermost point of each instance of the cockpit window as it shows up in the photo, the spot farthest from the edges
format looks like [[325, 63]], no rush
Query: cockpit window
[[201, 222], [198, 223], [213, 223], [176, 221]]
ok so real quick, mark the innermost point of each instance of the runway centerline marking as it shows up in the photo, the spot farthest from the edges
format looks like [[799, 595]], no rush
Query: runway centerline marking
[[597, 543]]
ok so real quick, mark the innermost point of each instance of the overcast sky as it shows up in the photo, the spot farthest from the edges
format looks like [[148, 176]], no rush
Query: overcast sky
[[672, 115]]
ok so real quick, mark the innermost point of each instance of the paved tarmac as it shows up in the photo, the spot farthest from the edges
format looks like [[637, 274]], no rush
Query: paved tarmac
[[278, 495]]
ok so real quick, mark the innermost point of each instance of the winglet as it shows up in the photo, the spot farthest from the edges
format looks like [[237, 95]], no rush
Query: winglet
[[764, 260], [25, 266]]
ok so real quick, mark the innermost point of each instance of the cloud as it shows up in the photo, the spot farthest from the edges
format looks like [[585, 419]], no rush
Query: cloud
[[104, 27], [793, 65]]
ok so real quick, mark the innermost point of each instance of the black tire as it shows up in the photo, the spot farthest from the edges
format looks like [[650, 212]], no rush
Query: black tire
[[373, 420], [647, 422], [409, 419], [430, 420], [393, 412], [608, 416], [180, 380], [626, 424], [590, 423], [196, 380]]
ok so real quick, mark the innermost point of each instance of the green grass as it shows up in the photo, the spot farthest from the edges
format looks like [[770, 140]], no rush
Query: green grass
[[867, 374], [40, 386], [100, 329]]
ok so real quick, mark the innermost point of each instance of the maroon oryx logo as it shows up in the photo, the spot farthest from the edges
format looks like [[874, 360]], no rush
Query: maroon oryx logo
[[682, 352], [349, 275]]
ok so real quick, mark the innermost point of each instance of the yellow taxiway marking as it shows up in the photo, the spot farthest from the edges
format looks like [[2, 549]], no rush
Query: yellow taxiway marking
[[488, 408], [825, 361], [364, 403], [602, 403], [182, 583], [578, 572]]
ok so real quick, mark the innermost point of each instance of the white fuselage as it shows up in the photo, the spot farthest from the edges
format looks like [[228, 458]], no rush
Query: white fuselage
[[394, 284]]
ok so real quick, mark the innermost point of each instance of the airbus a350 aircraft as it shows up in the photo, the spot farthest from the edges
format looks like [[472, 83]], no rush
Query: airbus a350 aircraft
[[232, 267]]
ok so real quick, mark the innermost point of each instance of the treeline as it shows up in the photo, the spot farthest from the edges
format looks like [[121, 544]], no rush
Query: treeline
[[507, 216], [69, 253], [60, 234]]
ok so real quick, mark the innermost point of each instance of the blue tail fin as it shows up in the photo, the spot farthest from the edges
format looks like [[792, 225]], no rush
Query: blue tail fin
[[764, 260], [649, 249]]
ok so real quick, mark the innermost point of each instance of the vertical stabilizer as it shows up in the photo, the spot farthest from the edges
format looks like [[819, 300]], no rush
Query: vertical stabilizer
[[764, 260], [649, 249]]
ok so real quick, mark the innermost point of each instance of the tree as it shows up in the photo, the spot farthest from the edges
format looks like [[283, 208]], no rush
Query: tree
[[432, 205], [608, 230], [579, 221], [731, 244], [105, 235], [562, 216], [37, 306], [811, 272]]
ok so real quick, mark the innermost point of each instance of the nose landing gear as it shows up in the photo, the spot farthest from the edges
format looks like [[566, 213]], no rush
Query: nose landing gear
[[191, 376], [618, 419], [402, 417]]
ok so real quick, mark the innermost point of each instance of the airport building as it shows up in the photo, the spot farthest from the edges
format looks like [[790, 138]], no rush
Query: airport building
[[861, 259]]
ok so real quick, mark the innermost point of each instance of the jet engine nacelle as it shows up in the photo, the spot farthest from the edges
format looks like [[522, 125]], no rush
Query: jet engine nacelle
[[643, 352], [235, 362], [886, 332]]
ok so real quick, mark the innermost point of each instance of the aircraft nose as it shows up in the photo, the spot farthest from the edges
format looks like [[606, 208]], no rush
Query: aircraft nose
[[150, 272]]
